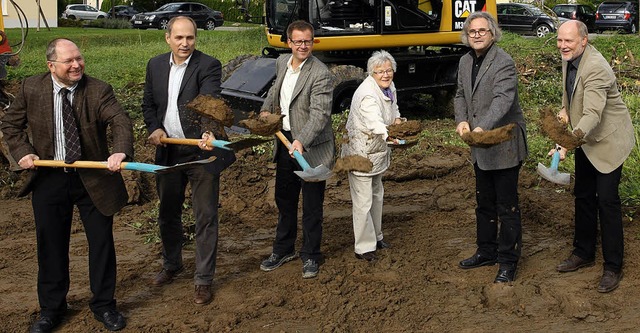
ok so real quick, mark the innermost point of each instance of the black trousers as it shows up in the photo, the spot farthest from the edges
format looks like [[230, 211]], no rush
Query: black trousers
[[54, 196], [204, 198], [288, 187], [597, 197], [497, 200]]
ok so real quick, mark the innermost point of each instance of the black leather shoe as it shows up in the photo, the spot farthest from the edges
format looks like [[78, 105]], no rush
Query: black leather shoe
[[382, 244], [476, 260], [505, 274], [610, 281], [112, 320], [573, 263], [368, 256], [45, 324]]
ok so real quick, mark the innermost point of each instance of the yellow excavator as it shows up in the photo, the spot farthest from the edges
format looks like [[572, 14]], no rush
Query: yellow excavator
[[423, 36]]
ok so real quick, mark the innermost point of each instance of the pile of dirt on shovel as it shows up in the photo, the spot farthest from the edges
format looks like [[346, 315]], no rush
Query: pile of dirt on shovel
[[353, 163], [490, 137], [214, 108], [264, 126], [405, 130], [557, 131]]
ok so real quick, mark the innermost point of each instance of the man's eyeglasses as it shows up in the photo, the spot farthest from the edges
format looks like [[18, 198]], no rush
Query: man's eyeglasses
[[80, 60], [388, 71], [302, 41], [479, 32]]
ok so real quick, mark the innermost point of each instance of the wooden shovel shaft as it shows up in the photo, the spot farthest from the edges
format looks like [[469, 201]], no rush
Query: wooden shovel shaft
[[303, 163], [194, 142], [99, 165]]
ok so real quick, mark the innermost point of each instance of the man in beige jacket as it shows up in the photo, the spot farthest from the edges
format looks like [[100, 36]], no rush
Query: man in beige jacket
[[593, 107]]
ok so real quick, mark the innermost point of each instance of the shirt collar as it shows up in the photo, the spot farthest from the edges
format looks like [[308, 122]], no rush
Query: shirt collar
[[297, 70], [185, 63], [57, 86], [575, 62]]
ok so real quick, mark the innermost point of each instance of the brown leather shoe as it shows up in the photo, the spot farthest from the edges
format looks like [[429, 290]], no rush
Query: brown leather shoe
[[203, 294], [573, 263], [165, 276], [610, 281]]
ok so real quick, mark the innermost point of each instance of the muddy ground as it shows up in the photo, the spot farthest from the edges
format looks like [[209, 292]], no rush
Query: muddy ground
[[415, 286]]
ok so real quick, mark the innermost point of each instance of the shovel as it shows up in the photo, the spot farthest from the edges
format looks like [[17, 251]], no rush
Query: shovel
[[308, 174], [551, 173], [136, 166], [235, 145]]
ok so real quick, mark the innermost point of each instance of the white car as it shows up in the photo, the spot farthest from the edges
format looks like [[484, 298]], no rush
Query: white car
[[83, 12]]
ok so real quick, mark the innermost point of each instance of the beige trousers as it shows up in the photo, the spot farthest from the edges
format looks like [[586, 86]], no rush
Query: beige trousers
[[366, 196]]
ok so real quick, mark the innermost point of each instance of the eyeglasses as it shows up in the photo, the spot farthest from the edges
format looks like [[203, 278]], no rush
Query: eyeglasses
[[479, 32], [80, 60], [388, 71], [302, 41]]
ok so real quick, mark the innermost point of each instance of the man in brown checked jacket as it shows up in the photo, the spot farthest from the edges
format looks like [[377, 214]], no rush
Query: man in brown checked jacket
[[98, 194]]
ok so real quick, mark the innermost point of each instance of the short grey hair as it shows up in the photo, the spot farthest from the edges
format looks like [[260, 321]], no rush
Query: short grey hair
[[493, 26], [583, 31], [378, 58]]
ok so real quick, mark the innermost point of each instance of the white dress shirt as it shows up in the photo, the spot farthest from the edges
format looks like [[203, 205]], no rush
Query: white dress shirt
[[286, 91], [59, 150], [172, 124]]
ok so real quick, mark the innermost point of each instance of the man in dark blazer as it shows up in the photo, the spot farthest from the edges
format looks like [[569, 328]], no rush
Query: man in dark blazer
[[303, 93], [98, 194], [487, 98], [594, 109], [174, 79]]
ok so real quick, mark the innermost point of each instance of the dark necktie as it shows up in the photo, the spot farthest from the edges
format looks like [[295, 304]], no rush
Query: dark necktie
[[71, 136], [571, 80]]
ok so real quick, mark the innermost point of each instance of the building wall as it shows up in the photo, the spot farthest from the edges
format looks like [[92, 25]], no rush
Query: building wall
[[30, 9]]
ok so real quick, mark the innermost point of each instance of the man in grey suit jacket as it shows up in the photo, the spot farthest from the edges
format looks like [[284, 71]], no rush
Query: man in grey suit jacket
[[98, 194], [593, 107], [174, 79], [303, 93], [487, 98]]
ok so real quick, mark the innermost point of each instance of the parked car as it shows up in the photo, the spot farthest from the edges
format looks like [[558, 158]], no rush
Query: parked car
[[123, 12], [583, 13], [205, 17], [620, 16], [82, 12], [525, 18]]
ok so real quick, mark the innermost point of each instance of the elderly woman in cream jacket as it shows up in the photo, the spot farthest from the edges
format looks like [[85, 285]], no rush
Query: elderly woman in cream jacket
[[373, 107]]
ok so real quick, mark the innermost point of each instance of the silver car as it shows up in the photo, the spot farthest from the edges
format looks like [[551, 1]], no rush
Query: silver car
[[83, 12]]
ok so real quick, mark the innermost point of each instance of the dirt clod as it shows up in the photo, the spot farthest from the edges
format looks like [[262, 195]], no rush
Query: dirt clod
[[490, 137], [353, 163], [405, 130], [214, 108], [557, 131], [264, 126]]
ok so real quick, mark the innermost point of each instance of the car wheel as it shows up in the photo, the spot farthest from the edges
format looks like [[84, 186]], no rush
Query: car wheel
[[100, 17], [633, 28], [162, 25], [210, 25], [72, 17], [542, 30]]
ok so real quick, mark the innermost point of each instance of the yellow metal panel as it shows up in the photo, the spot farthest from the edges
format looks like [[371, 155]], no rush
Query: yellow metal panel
[[375, 41]]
